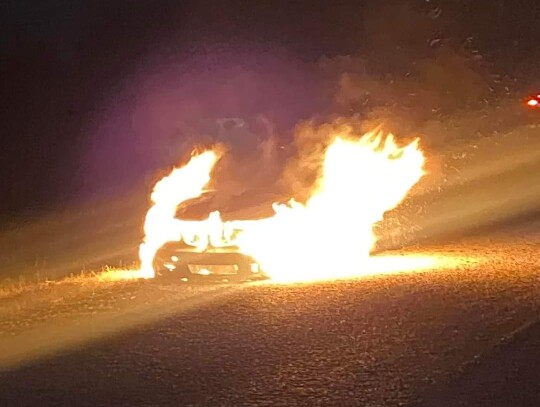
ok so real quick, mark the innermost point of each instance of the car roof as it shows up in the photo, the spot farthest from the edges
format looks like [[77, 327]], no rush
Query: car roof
[[251, 204]]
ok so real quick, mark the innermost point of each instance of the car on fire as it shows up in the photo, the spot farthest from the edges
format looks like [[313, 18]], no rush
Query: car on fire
[[183, 262], [207, 258]]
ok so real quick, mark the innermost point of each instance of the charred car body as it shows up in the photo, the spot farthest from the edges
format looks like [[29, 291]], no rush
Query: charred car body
[[206, 250], [180, 261]]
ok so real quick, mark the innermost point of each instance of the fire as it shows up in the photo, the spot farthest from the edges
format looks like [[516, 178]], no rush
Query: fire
[[161, 225], [330, 236]]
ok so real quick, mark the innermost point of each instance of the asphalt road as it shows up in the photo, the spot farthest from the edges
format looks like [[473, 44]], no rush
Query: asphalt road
[[465, 334]]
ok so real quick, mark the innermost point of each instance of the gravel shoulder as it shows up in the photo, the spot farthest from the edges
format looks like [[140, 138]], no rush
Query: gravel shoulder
[[386, 340]]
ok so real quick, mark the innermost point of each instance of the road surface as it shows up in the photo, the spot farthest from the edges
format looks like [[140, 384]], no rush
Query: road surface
[[464, 334]]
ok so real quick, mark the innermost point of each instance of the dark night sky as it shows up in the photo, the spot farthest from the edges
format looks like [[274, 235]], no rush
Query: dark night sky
[[62, 62]]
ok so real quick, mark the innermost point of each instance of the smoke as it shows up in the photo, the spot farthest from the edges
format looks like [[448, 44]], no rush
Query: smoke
[[274, 116], [238, 99], [311, 139]]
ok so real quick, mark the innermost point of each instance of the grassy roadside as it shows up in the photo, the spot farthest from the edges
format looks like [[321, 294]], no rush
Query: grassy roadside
[[10, 287]]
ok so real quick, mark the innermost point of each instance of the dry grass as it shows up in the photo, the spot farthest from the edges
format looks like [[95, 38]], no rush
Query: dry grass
[[13, 287], [109, 274]]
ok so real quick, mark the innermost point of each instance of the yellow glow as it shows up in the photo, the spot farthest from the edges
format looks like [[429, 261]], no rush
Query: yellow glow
[[328, 237], [161, 225], [390, 264], [331, 235]]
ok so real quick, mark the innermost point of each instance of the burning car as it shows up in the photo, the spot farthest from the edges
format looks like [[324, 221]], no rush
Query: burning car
[[330, 234], [207, 248], [183, 262]]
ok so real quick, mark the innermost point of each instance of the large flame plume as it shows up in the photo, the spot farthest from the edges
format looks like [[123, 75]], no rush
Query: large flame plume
[[161, 225], [330, 236]]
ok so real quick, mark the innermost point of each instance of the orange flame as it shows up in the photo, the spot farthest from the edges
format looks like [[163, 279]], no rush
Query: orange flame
[[329, 237], [161, 225]]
